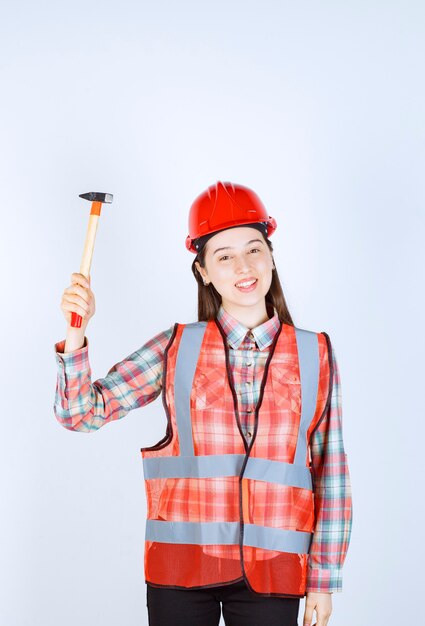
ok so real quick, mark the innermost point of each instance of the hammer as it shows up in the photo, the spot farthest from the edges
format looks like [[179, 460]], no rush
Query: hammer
[[97, 199]]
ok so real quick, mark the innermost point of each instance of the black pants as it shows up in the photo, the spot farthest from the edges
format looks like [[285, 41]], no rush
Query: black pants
[[201, 607]]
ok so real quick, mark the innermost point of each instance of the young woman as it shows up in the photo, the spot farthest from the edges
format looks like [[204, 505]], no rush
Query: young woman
[[248, 492]]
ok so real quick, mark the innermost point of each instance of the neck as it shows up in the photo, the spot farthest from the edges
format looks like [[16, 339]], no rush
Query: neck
[[249, 316]]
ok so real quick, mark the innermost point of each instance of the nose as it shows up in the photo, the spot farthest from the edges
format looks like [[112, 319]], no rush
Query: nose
[[242, 265]]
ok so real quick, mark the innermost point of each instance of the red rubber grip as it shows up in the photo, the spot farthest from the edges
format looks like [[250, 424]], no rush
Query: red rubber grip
[[76, 320]]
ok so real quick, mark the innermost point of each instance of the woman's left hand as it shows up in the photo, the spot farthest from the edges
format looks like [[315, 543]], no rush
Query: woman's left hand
[[322, 602]]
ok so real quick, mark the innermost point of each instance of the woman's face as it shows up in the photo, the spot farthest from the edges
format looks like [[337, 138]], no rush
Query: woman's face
[[235, 256]]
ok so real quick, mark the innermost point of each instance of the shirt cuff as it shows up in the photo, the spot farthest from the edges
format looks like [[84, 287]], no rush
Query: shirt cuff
[[321, 580], [74, 361]]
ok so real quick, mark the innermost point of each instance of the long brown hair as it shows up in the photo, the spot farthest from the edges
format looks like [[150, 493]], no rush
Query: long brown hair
[[209, 300]]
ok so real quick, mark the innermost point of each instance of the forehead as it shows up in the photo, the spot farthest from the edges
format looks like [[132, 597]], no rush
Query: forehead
[[233, 237]]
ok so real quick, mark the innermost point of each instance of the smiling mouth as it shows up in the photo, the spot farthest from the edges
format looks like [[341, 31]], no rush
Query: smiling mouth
[[245, 285]]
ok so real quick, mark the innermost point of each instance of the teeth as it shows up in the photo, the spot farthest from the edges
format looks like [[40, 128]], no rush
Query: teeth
[[247, 284]]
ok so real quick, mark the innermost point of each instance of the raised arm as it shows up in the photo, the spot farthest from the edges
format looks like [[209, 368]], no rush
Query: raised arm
[[83, 405]]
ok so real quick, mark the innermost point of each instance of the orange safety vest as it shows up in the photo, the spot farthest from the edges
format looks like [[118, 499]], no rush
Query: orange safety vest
[[220, 509]]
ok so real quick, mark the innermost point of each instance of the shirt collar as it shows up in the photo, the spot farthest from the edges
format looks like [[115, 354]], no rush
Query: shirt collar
[[236, 332]]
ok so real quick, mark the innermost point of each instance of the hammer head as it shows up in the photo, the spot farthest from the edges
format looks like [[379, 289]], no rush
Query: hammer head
[[96, 196]]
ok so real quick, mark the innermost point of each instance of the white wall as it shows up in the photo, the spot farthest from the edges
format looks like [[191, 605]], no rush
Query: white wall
[[319, 107]]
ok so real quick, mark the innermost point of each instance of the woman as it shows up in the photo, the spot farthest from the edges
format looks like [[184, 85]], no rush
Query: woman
[[249, 498]]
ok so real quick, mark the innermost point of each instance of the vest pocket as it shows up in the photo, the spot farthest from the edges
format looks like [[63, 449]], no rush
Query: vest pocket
[[208, 389], [286, 385]]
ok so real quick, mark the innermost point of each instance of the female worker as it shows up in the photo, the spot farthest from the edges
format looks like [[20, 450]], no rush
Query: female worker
[[248, 493]]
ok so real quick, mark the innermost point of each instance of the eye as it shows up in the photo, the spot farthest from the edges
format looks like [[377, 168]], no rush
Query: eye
[[258, 249], [224, 257]]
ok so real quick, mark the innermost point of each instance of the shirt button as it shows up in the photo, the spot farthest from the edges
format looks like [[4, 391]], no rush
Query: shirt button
[[249, 433], [249, 382], [249, 410], [249, 363]]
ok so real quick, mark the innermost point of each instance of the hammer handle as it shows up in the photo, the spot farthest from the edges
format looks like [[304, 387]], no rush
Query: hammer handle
[[76, 319]]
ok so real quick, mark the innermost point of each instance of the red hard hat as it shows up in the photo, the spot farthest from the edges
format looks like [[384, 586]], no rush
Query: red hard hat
[[224, 205]]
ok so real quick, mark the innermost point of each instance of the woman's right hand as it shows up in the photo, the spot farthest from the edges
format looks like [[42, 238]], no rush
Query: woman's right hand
[[78, 298]]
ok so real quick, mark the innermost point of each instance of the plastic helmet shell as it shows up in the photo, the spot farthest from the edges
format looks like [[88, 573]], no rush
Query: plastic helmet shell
[[224, 205]]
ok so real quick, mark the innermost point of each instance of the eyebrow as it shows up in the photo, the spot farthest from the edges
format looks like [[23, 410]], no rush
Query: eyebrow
[[231, 248]]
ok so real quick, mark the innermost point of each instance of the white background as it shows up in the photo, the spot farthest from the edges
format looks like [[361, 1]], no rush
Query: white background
[[317, 106]]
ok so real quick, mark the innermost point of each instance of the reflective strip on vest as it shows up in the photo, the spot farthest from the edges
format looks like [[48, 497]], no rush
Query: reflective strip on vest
[[187, 358], [227, 533], [308, 358], [216, 465]]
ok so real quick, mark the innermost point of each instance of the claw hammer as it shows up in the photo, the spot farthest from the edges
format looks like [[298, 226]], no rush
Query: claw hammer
[[97, 199]]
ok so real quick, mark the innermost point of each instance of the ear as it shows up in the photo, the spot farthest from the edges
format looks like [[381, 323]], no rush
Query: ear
[[200, 269]]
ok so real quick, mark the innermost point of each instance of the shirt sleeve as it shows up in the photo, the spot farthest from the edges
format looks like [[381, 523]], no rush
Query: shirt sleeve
[[85, 406], [332, 496]]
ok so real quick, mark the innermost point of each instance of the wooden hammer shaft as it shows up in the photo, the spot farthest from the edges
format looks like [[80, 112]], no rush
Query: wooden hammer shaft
[[90, 238], [86, 260]]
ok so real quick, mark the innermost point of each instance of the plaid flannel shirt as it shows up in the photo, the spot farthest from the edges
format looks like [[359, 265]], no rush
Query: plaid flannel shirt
[[83, 405]]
